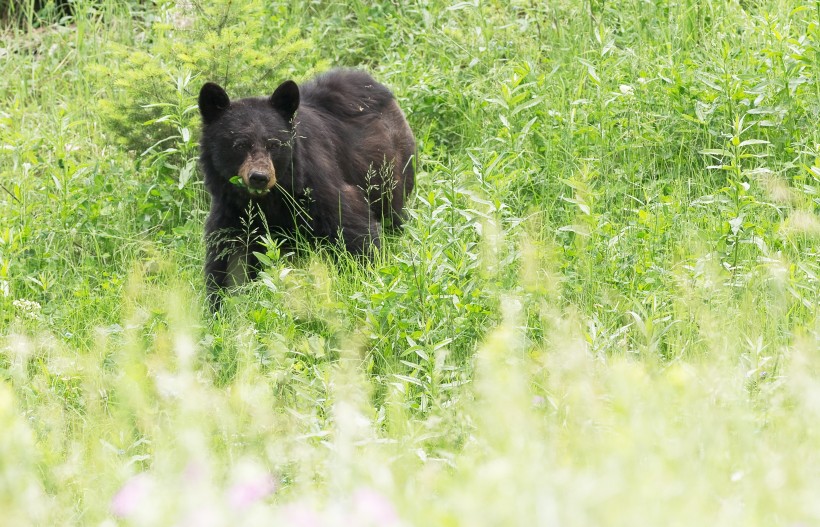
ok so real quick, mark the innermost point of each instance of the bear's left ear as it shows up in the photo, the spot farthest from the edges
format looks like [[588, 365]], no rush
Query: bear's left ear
[[285, 99], [213, 100]]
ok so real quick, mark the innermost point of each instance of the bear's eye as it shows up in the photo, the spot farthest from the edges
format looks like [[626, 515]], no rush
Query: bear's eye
[[273, 143], [241, 144]]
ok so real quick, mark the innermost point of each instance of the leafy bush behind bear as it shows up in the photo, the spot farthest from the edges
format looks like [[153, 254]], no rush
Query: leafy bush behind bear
[[244, 45]]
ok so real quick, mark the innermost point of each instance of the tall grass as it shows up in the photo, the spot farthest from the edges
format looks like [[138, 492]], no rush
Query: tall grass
[[603, 309]]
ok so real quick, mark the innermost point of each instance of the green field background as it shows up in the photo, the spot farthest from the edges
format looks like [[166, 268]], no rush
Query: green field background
[[603, 309]]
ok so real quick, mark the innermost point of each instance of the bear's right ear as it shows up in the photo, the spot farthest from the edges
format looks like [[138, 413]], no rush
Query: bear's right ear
[[213, 101], [285, 99]]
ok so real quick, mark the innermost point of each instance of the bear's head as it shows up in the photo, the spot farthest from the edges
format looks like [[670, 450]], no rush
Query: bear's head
[[249, 141]]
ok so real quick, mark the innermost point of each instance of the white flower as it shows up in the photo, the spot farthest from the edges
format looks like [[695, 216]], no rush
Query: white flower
[[28, 308]]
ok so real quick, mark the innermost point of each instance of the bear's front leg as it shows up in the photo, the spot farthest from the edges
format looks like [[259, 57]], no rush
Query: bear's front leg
[[217, 263], [236, 267], [228, 261]]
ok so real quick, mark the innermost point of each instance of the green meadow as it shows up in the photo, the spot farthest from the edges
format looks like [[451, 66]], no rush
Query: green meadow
[[602, 311]]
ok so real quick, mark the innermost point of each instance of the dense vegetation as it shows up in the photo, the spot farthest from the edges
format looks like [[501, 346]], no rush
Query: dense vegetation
[[603, 310]]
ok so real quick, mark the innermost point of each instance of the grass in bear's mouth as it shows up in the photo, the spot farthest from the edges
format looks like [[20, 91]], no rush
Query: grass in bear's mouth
[[256, 192]]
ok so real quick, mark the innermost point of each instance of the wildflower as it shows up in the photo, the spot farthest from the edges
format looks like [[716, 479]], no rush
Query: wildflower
[[28, 308], [132, 495], [374, 508], [301, 515], [245, 493]]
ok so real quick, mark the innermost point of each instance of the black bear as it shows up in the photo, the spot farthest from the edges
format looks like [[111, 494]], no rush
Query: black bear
[[331, 159]]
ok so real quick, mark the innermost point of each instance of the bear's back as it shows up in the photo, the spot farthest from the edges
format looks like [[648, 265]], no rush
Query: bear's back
[[345, 94]]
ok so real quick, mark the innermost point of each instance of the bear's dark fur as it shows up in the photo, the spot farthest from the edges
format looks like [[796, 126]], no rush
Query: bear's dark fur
[[330, 159]]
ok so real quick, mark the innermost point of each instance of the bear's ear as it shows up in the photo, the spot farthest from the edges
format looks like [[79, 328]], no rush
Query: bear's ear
[[285, 99], [213, 101]]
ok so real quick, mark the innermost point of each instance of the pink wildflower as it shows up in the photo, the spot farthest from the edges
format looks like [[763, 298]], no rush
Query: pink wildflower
[[132, 495], [374, 507], [245, 493], [300, 515]]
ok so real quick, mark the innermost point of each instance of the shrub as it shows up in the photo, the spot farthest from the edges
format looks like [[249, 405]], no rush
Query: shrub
[[243, 45]]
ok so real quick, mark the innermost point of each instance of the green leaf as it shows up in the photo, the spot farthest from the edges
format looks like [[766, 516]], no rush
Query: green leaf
[[748, 142], [716, 152]]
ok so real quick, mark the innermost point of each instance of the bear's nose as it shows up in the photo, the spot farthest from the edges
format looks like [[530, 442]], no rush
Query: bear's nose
[[258, 179]]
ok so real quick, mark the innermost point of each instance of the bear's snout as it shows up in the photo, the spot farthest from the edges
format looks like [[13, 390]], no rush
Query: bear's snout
[[258, 180], [258, 174]]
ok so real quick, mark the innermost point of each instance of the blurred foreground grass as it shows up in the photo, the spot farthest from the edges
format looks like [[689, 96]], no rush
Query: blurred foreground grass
[[548, 434]]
